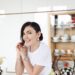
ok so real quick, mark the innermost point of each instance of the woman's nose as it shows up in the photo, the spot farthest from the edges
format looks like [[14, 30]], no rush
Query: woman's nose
[[25, 36]]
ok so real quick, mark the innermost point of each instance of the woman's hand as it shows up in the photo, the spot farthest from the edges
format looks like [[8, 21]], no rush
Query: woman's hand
[[22, 50], [18, 48]]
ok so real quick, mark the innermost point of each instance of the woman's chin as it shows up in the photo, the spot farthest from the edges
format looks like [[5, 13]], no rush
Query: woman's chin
[[27, 45]]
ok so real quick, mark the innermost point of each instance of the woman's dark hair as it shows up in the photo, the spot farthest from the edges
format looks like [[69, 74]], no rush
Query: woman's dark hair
[[34, 25]]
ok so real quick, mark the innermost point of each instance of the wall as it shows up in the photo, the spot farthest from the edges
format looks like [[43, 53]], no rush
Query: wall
[[10, 35]]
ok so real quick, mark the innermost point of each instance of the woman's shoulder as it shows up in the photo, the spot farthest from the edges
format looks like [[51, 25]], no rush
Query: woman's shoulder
[[44, 47]]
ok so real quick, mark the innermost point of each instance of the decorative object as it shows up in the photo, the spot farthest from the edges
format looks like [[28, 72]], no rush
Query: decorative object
[[1, 71], [1, 62]]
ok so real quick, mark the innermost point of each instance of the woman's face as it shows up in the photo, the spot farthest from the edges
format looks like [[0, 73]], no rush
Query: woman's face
[[30, 36]]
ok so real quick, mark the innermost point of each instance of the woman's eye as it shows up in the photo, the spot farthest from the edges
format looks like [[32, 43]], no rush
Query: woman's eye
[[29, 32]]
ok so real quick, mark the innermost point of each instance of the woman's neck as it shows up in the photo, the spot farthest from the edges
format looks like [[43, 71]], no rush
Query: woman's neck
[[35, 46]]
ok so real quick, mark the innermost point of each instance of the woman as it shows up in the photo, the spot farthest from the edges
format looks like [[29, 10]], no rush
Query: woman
[[32, 54]]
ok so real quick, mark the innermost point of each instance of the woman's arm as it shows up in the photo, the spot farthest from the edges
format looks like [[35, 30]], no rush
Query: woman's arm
[[30, 69], [19, 67]]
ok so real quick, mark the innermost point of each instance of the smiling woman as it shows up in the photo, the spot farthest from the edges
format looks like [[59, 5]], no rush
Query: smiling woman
[[9, 35], [32, 54]]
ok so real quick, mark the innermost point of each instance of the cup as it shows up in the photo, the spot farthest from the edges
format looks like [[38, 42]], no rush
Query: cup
[[56, 38], [73, 38], [65, 38], [63, 52], [69, 51], [56, 53]]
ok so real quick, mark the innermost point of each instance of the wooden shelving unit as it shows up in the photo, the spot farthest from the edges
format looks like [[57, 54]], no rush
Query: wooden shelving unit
[[68, 45]]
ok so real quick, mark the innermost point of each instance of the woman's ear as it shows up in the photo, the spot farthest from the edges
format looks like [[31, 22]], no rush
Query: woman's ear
[[38, 36]]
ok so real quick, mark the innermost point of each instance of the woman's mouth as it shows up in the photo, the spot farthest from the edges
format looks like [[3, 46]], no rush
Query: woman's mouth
[[27, 41]]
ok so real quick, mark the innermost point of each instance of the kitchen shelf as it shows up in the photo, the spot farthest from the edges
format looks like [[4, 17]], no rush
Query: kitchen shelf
[[65, 29]]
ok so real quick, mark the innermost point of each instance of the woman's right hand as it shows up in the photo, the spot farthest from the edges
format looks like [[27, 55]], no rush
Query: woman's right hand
[[22, 51], [19, 46], [18, 49]]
